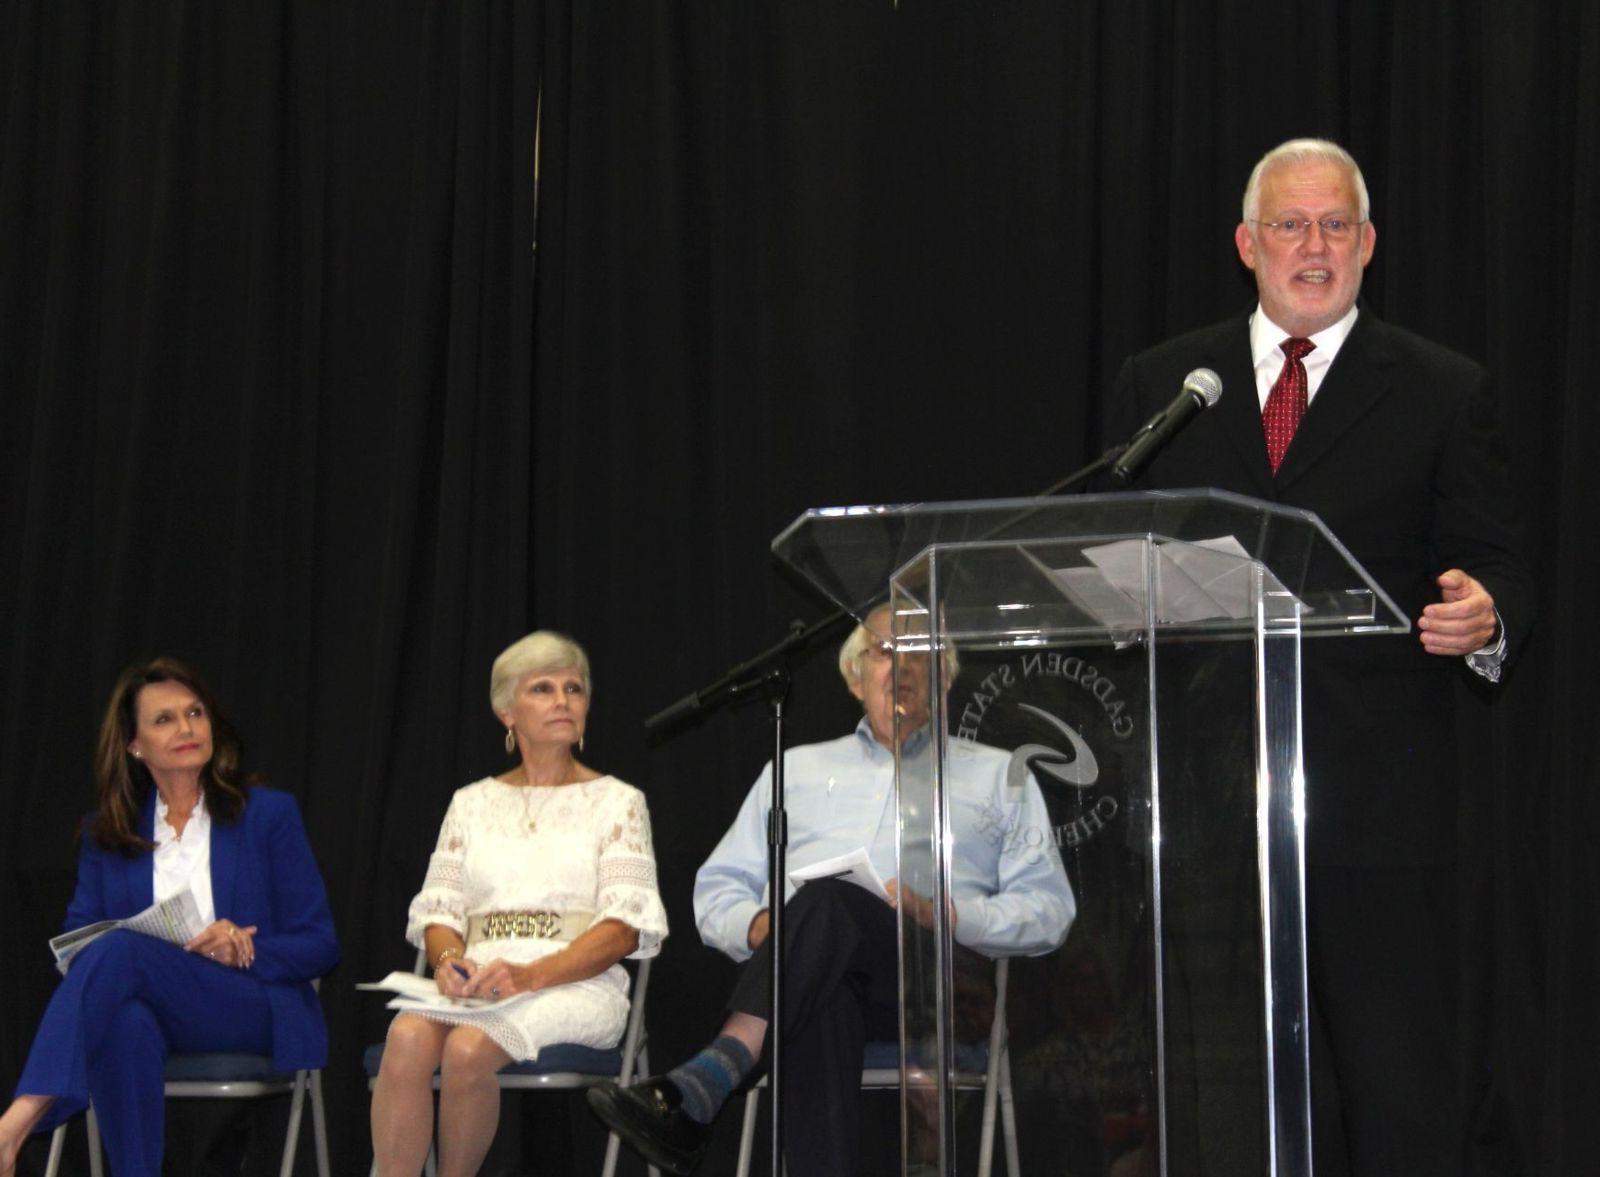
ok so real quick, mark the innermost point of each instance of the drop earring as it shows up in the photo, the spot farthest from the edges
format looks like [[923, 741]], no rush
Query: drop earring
[[511, 742], [580, 742]]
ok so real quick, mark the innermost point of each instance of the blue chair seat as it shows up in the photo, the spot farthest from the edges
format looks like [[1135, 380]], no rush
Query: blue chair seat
[[224, 1068], [564, 1058], [881, 1056], [885, 1056]]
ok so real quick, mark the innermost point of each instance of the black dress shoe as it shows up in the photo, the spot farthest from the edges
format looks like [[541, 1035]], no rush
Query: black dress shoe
[[650, 1119]]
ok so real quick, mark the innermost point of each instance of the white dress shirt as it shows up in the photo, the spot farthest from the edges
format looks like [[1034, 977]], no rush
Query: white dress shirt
[[185, 860], [1266, 352]]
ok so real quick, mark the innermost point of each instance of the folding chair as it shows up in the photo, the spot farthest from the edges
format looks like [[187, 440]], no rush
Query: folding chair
[[986, 1067], [226, 1076], [560, 1067]]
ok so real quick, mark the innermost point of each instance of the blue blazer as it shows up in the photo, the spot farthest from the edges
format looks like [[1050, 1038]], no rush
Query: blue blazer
[[262, 873]]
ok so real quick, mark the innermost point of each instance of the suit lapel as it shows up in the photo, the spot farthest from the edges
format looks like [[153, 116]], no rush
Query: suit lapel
[[1239, 410], [1356, 381], [136, 876], [225, 863]]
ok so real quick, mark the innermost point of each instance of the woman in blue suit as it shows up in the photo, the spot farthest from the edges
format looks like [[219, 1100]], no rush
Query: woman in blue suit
[[175, 811]]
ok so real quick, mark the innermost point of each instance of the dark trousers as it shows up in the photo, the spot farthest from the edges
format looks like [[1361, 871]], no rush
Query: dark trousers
[[841, 987], [1385, 1048], [1384, 1043], [126, 1001]]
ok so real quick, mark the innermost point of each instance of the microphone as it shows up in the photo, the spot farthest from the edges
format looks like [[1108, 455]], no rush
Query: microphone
[[1202, 388]]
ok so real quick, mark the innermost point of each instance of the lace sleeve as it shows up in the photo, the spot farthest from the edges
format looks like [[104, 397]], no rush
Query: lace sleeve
[[626, 881], [442, 899]]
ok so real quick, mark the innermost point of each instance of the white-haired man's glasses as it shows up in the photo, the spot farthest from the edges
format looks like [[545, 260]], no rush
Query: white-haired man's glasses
[[1290, 228]]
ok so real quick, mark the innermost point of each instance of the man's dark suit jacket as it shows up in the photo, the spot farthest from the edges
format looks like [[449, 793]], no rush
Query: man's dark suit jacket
[[1397, 455]]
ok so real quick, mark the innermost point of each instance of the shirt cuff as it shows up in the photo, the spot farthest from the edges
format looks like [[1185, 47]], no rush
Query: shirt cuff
[[1488, 662], [970, 923], [737, 929]]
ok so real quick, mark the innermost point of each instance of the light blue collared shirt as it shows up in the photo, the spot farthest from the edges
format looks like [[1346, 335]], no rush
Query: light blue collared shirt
[[1011, 892]]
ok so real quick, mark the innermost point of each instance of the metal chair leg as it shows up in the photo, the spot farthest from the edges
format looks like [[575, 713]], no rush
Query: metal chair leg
[[291, 1140], [319, 1126], [747, 1132], [1008, 1118], [58, 1141], [96, 1163]]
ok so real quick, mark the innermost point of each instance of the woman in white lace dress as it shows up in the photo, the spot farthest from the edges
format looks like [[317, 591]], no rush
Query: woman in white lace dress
[[542, 881]]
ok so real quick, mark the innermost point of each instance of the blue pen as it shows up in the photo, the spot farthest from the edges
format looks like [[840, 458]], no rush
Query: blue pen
[[461, 972]]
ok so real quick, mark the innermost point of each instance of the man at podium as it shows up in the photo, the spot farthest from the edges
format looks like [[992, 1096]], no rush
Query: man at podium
[[1011, 897], [1390, 439]]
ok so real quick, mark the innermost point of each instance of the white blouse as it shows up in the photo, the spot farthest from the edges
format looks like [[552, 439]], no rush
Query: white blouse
[[572, 848], [184, 860]]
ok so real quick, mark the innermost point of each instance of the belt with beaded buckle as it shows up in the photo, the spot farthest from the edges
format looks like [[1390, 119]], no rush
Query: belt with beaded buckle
[[542, 925]]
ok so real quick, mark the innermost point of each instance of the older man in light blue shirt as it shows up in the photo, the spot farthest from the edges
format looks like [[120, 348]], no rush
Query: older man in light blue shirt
[[1010, 896]]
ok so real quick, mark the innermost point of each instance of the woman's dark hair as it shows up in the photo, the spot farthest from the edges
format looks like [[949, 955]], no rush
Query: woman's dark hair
[[122, 782]]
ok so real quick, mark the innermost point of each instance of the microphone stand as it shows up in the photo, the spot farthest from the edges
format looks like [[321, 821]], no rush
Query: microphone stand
[[1078, 477], [768, 676], [1072, 482]]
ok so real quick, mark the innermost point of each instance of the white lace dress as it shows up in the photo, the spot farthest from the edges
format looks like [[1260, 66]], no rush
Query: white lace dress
[[581, 847]]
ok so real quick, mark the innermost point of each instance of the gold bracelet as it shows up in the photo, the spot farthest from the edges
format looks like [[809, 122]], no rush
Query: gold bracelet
[[444, 956]]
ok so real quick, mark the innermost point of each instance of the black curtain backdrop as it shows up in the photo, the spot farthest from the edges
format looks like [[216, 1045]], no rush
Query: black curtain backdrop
[[287, 391]]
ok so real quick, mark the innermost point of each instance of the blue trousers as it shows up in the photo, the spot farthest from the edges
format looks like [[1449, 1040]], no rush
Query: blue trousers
[[126, 1002]]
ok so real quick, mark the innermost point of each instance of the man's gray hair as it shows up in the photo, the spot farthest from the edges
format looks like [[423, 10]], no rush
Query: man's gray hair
[[861, 638], [852, 650], [540, 652], [1302, 151]]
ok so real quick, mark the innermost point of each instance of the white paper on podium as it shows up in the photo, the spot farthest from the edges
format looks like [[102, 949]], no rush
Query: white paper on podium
[[1203, 581]]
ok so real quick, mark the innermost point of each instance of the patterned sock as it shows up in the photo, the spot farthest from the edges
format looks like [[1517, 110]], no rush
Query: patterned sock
[[709, 1077]]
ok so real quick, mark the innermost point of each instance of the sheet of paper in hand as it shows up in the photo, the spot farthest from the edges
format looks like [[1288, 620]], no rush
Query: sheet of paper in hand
[[175, 920], [420, 993], [853, 867]]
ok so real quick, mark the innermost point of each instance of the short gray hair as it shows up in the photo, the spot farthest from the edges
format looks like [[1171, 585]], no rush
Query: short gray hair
[[541, 651], [1301, 151], [861, 638], [850, 653]]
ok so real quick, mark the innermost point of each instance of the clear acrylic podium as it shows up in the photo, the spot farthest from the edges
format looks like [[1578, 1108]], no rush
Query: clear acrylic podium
[[1138, 655]]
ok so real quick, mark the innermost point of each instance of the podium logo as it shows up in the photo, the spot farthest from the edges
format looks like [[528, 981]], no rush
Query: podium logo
[[1058, 753], [1078, 769]]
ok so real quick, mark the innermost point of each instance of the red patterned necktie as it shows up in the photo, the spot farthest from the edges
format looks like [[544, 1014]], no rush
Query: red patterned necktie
[[1286, 403]]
